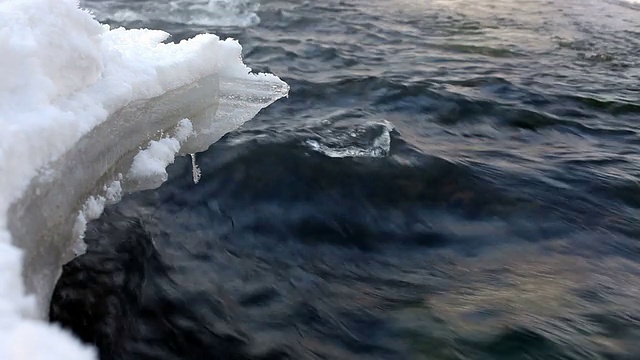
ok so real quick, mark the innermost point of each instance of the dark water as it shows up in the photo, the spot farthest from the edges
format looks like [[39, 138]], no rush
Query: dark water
[[447, 180]]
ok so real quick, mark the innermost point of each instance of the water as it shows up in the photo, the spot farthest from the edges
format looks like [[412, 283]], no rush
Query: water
[[447, 180]]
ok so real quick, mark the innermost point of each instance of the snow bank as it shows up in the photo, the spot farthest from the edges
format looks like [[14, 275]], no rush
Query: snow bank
[[77, 102]]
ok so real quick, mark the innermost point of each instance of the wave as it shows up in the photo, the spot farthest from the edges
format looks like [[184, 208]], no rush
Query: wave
[[225, 13], [78, 102], [370, 140]]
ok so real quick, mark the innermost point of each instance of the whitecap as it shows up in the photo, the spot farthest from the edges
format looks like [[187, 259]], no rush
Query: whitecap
[[204, 13], [369, 140]]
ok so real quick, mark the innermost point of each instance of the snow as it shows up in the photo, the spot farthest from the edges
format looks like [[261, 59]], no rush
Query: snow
[[77, 102], [148, 167], [92, 209]]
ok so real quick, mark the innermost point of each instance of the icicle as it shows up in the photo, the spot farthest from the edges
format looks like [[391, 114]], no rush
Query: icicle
[[195, 170]]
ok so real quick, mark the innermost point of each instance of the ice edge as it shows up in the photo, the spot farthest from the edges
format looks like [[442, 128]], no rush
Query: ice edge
[[71, 131]]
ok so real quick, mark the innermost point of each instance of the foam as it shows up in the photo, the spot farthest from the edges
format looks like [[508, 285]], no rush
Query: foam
[[77, 102], [369, 140]]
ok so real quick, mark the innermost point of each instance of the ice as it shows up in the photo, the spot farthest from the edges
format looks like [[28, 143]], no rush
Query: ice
[[195, 170], [92, 209], [89, 113]]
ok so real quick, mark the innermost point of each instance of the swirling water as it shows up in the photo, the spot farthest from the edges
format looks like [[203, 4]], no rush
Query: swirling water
[[447, 180]]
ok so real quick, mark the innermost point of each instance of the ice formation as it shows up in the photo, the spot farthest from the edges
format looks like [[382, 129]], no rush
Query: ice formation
[[78, 101], [632, 4], [148, 166]]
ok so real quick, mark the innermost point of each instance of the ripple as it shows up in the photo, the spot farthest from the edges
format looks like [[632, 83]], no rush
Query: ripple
[[194, 13]]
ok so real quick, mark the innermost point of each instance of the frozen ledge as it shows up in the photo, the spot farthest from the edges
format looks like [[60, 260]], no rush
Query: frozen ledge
[[42, 221], [78, 103]]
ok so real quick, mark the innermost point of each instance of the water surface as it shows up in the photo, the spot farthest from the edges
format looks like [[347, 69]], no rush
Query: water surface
[[447, 180]]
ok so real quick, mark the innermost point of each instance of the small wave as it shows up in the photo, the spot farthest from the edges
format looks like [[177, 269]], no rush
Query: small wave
[[225, 13], [370, 140], [631, 2]]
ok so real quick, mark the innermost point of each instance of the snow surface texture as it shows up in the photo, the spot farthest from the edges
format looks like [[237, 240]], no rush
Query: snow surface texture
[[77, 102], [149, 165]]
